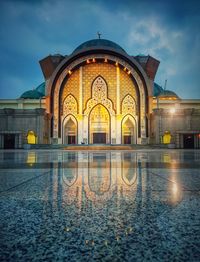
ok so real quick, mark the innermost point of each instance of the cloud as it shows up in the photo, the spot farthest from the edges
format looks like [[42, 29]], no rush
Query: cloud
[[31, 30]]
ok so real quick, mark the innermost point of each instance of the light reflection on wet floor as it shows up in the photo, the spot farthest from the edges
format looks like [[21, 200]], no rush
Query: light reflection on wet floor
[[120, 206]]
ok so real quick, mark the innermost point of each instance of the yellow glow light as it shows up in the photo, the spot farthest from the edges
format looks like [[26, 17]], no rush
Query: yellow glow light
[[172, 110], [88, 61], [105, 60], [93, 60], [69, 72], [125, 69], [129, 72], [175, 188], [116, 63]]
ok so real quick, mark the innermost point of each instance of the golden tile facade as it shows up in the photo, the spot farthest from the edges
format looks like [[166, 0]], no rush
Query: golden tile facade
[[91, 71]]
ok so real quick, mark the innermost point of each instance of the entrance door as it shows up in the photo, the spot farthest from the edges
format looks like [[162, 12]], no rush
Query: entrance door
[[71, 140], [9, 141], [99, 138], [127, 140], [188, 140]]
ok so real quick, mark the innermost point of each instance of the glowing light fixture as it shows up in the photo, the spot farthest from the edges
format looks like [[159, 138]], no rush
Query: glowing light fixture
[[88, 61], [172, 110], [69, 72], [125, 69], [129, 72], [105, 60], [116, 63], [93, 60]]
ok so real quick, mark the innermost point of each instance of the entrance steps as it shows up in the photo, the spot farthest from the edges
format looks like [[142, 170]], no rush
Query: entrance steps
[[99, 147]]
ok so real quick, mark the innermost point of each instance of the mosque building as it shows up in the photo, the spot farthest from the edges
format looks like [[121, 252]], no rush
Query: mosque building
[[99, 94]]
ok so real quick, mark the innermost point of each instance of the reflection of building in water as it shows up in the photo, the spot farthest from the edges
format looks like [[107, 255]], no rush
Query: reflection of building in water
[[98, 177]]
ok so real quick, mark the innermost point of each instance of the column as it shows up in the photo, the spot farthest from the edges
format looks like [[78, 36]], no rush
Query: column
[[118, 118], [80, 91], [118, 90], [80, 106]]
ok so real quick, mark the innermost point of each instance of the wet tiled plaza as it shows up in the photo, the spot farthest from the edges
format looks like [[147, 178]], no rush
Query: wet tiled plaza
[[100, 206]]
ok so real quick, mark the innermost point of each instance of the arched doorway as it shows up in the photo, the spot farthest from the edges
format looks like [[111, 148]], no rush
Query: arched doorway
[[70, 131], [128, 130], [99, 123]]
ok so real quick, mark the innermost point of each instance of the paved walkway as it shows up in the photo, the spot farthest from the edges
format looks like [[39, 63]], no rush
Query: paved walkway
[[59, 205]]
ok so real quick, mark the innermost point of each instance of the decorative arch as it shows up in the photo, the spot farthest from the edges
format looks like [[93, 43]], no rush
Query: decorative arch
[[70, 105], [99, 96], [61, 75], [129, 105], [128, 130], [99, 88], [70, 130]]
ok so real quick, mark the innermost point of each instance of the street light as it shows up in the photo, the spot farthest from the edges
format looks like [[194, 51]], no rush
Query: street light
[[172, 110]]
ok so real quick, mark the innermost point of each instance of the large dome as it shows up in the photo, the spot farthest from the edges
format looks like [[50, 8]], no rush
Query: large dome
[[31, 94], [157, 89], [36, 93], [41, 88], [99, 43], [168, 94]]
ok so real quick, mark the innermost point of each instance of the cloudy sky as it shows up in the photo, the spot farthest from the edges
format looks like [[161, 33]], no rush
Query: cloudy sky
[[167, 30]]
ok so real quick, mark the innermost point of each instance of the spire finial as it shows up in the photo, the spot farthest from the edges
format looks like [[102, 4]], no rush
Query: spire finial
[[99, 35]]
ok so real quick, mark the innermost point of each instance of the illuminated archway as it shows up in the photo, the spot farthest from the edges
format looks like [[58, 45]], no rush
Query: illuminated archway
[[70, 130], [128, 130], [99, 123]]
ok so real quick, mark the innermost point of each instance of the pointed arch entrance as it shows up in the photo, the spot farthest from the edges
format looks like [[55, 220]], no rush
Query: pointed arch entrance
[[99, 125], [70, 130], [128, 130]]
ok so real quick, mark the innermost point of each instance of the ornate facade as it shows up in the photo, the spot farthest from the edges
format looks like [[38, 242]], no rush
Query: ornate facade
[[100, 95]]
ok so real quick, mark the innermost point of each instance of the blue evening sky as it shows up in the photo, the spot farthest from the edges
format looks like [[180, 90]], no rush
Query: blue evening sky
[[167, 30]]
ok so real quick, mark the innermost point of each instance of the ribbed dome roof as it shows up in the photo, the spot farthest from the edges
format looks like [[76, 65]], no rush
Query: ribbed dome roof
[[157, 89], [41, 88], [168, 94], [99, 43], [31, 94]]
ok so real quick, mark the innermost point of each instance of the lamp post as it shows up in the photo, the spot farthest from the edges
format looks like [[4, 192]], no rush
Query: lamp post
[[172, 112], [159, 121]]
